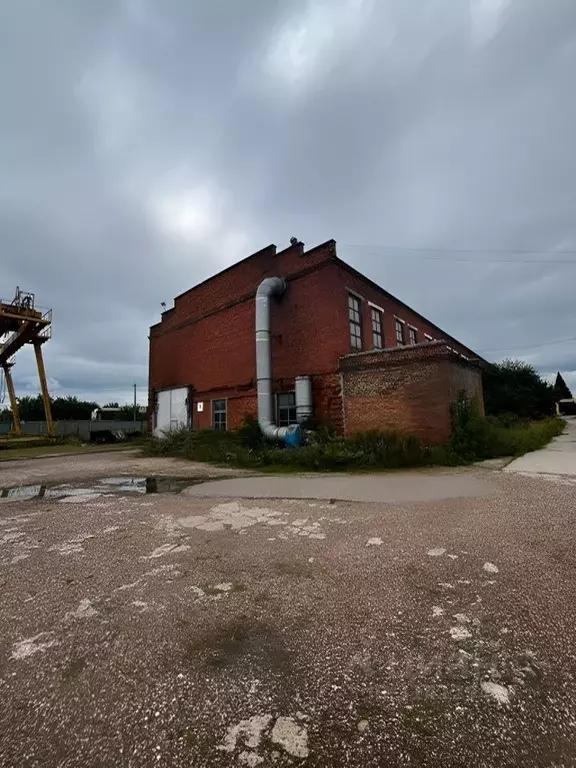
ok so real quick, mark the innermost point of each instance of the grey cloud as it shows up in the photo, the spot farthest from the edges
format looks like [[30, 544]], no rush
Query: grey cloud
[[144, 148]]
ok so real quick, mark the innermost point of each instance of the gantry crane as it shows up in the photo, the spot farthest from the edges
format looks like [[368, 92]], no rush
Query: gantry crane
[[20, 324]]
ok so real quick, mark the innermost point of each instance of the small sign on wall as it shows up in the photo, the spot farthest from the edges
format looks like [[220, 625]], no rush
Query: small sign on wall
[[199, 407]]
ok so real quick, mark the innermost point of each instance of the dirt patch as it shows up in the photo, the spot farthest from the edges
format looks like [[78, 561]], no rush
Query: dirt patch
[[240, 640], [73, 669]]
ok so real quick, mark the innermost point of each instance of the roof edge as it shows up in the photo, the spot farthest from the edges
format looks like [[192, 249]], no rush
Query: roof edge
[[447, 336], [270, 247]]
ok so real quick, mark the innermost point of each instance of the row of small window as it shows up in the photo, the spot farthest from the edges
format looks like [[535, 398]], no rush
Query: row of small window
[[400, 334], [285, 411], [355, 320]]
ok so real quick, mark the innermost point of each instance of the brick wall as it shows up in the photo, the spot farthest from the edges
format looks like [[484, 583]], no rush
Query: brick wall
[[326, 394], [238, 404], [409, 390], [216, 350], [240, 281], [465, 378]]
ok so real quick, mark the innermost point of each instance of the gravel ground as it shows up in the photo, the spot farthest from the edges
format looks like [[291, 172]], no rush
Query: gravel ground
[[166, 630], [64, 469]]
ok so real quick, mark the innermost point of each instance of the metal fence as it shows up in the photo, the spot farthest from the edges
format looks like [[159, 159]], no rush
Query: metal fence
[[81, 429]]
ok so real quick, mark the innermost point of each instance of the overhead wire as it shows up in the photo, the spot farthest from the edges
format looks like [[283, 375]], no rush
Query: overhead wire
[[446, 254], [530, 346]]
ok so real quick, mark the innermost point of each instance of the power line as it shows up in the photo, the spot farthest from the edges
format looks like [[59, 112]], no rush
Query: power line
[[420, 254], [420, 251], [530, 346], [534, 251]]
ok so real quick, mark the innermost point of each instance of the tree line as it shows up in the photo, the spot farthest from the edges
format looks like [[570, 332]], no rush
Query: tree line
[[68, 408], [515, 387]]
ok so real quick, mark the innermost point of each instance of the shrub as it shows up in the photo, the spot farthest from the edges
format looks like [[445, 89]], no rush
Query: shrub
[[472, 437], [250, 433], [390, 449], [131, 435], [515, 387], [475, 438], [245, 448], [205, 445]]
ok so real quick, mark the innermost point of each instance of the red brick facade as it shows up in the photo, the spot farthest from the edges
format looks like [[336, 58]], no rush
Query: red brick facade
[[206, 341], [410, 389]]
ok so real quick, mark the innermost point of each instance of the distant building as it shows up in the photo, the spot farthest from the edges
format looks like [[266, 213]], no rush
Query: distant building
[[370, 361], [106, 412], [566, 407]]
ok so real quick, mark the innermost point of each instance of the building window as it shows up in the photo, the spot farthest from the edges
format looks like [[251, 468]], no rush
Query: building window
[[377, 338], [427, 337], [399, 333], [355, 318], [219, 415], [412, 335], [286, 408]]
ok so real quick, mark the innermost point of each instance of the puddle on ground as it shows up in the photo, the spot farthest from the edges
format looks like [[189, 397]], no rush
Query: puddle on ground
[[107, 485], [22, 492]]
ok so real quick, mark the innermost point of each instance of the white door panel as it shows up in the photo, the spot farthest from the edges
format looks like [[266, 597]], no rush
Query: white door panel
[[162, 413], [172, 410], [179, 408]]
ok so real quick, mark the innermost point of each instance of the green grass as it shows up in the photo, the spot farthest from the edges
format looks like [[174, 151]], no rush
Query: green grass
[[474, 439], [57, 450], [375, 450]]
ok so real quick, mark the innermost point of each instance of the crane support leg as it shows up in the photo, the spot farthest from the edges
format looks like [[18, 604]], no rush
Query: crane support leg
[[17, 429], [44, 389]]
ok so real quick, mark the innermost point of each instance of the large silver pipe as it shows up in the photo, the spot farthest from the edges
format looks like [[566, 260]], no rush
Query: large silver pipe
[[271, 286], [303, 398]]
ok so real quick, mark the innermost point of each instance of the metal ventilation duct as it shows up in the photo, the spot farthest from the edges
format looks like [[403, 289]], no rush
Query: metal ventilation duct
[[271, 286]]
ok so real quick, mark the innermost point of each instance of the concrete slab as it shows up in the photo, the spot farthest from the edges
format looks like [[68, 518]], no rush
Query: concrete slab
[[411, 486], [558, 458]]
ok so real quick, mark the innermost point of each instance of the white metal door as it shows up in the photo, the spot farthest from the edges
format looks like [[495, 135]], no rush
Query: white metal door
[[162, 413], [172, 410], [178, 408]]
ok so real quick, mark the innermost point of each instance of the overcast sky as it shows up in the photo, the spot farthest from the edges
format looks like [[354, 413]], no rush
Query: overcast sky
[[146, 144]]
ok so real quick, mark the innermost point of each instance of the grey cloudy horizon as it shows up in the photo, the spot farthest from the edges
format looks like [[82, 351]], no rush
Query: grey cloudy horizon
[[145, 146]]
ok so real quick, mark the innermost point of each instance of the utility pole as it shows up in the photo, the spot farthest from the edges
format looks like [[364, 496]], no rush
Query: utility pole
[[135, 406]]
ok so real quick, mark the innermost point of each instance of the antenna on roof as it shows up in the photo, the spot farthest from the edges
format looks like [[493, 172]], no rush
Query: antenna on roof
[[293, 241]]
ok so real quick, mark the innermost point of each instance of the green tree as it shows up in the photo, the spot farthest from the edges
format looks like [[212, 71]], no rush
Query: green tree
[[31, 408], [126, 413], [68, 408], [5, 414], [64, 408], [515, 387], [71, 408], [561, 388]]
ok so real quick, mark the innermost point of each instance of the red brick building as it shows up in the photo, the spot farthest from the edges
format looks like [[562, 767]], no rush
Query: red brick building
[[373, 361]]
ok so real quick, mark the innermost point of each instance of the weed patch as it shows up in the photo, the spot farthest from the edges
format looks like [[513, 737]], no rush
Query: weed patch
[[474, 438]]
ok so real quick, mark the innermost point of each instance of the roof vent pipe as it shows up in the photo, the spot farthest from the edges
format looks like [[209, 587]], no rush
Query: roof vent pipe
[[271, 286]]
